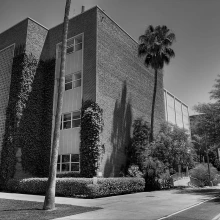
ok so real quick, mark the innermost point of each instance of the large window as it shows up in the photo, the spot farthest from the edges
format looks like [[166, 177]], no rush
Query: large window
[[73, 45], [68, 162], [72, 81], [70, 120]]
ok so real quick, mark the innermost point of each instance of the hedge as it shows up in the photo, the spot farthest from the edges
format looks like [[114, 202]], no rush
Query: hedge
[[79, 187]]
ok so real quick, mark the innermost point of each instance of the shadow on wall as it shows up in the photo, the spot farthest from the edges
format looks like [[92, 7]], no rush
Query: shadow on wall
[[120, 136], [26, 144]]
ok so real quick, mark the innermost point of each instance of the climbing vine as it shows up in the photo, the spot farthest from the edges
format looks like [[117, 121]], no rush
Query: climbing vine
[[91, 147], [28, 116]]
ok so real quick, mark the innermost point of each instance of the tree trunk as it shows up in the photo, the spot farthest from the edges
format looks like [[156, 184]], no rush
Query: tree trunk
[[153, 106], [49, 202]]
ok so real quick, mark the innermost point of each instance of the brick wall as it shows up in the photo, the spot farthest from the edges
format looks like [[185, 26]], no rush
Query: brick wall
[[82, 23], [124, 91], [35, 40], [26, 34], [6, 59], [16, 34]]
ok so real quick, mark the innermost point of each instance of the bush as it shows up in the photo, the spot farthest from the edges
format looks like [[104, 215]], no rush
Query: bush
[[115, 186], [152, 174], [137, 151], [201, 173], [217, 164], [78, 187], [133, 171]]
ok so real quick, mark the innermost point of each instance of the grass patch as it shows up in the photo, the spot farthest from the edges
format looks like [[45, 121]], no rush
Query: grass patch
[[26, 210]]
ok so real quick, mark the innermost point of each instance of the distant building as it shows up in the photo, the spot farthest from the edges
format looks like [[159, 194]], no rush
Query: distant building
[[176, 112]]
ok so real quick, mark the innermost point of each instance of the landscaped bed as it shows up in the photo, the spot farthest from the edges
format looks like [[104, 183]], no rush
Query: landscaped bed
[[79, 187], [26, 210]]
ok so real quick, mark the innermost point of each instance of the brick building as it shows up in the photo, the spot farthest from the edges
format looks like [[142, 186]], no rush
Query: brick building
[[102, 65]]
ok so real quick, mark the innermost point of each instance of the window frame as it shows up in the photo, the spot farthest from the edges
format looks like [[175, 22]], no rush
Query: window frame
[[71, 119], [73, 80], [59, 165], [73, 45]]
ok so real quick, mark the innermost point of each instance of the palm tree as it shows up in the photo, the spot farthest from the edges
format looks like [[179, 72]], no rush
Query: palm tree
[[154, 46], [49, 202]]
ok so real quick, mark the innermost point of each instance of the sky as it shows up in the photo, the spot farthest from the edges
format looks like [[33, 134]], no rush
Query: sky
[[190, 75]]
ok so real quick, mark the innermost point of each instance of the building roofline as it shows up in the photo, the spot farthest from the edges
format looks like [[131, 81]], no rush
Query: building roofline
[[28, 18], [175, 97], [37, 22], [117, 24], [75, 16], [103, 13]]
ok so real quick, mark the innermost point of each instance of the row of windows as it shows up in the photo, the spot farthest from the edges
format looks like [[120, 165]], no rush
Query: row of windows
[[70, 120], [72, 81], [68, 162], [73, 45]]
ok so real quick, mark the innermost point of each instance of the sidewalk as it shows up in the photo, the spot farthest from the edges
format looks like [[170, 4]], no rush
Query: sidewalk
[[182, 182], [146, 205]]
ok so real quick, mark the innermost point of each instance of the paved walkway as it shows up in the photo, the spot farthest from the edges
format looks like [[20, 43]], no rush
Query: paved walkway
[[146, 205], [182, 182]]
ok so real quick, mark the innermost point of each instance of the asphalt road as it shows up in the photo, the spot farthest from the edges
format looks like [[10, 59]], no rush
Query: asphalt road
[[205, 211]]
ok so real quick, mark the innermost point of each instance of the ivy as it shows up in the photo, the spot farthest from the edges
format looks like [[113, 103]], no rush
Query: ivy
[[37, 123], [28, 116], [91, 147]]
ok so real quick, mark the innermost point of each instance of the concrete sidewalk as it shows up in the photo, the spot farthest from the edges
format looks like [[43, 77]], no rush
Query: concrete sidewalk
[[146, 205], [182, 182]]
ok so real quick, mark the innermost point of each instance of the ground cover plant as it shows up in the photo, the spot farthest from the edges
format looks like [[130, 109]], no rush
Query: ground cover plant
[[25, 210]]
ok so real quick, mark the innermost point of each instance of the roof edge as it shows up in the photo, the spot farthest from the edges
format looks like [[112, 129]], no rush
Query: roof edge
[[37, 22], [28, 18], [117, 24]]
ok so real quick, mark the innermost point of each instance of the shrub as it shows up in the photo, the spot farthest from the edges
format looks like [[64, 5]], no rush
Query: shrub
[[201, 173], [133, 171], [78, 187], [165, 181], [139, 143], [217, 164], [152, 174], [115, 186]]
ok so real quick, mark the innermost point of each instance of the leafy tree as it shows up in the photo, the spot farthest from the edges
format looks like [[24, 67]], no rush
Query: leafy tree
[[207, 122], [172, 147], [215, 92], [49, 202], [139, 143], [154, 46]]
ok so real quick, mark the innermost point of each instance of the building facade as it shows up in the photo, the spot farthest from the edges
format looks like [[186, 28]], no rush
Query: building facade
[[102, 65], [176, 112]]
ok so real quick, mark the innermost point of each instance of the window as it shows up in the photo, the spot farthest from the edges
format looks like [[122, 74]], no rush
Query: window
[[70, 120], [68, 162], [72, 81], [73, 45]]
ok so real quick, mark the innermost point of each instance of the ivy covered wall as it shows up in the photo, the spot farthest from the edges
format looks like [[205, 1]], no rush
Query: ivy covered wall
[[28, 117]]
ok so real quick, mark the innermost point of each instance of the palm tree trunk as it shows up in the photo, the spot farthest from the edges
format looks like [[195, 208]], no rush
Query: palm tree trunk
[[49, 202], [153, 106]]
